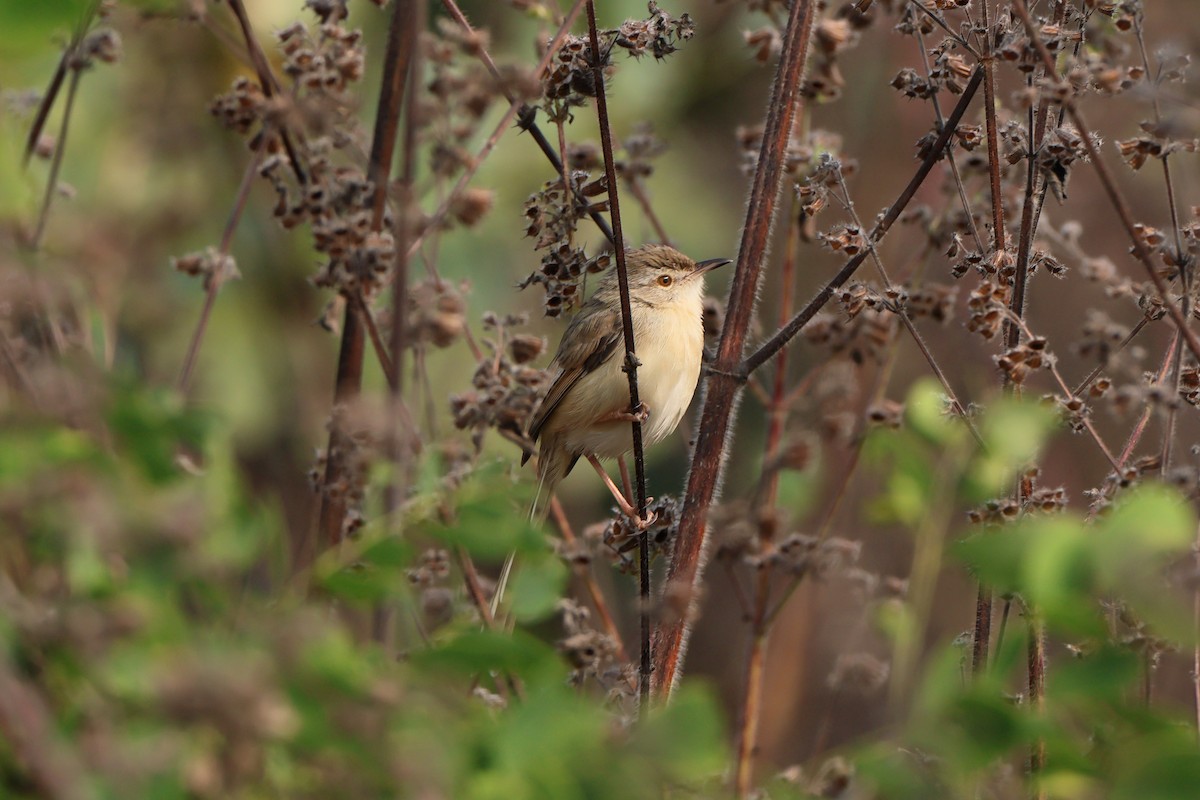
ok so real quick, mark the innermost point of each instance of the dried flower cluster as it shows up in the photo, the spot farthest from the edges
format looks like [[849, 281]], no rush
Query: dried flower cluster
[[506, 389]]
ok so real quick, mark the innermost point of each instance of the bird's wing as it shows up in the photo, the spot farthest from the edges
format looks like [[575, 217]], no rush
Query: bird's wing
[[589, 341]]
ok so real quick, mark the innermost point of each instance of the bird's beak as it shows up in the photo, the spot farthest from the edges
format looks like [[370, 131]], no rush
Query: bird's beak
[[709, 265]]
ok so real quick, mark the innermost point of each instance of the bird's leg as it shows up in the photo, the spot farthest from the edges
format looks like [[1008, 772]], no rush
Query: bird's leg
[[639, 414], [626, 508], [625, 482]]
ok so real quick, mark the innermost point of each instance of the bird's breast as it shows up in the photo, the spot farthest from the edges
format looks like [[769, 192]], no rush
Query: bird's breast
[[670, 342]]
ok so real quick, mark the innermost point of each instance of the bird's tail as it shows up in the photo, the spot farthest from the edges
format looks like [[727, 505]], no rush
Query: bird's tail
[[553, 464]]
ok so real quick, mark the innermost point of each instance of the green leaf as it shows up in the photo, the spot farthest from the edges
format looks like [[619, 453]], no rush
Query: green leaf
[[487, 521], [925, 413], [1099, 677], [152, 426], [477, 652], [684, 739], [537, 586], [30, 26], [1013, 433]]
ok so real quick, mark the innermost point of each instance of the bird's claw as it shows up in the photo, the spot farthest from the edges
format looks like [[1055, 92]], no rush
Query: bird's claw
[[642, 524], [639, 414]]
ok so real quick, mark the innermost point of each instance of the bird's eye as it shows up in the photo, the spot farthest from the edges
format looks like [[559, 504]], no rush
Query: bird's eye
[[664, 280]]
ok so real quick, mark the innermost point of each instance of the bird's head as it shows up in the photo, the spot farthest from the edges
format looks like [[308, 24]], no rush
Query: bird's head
[[660, 275]]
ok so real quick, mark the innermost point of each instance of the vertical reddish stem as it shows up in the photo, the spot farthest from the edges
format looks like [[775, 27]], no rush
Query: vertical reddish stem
[[723, 385]]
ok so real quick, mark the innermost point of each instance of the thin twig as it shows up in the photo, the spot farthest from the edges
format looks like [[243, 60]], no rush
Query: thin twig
[[584, 572], [218, 277], [516, 110], [905, 319], [958, 181], [631, 361], [56, 162], [1086, 383], [639, 192], [1116, 198], [268, 82], [785, 334]]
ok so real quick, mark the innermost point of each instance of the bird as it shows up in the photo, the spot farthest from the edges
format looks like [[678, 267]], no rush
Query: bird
[[586, 411]]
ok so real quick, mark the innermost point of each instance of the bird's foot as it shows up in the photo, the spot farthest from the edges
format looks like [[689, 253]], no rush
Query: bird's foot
[[641, 523], [639, 414]]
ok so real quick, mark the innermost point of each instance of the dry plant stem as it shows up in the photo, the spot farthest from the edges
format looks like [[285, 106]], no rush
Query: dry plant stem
[[941, 23], [526, 115], [401, 45], [958, 181], [381, 350], [724, 380], [993, 136], [1095, 373], [1036, 664], [60, 73], [56, 163], [751, 706], [215, 281], [982, 634], [589, 581], [631, 361], [474, 587], [30, 731], [393, 367], [47, 102], [785, 334], [402, 232], [906, 320], [1116, 198], [1139, 429], [480, 601], [266, 79], [1172, 205], [515, 110]]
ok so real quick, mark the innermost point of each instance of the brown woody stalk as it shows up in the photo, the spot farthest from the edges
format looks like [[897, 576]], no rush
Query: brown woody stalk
[[993, 137], [631, 361], [401, 45], [724, 384]]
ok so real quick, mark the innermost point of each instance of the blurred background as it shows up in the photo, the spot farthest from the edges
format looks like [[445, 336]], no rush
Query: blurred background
[[148, 174]]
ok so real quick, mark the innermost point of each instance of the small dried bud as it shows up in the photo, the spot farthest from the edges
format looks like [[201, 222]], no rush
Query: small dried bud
[[526, 347]]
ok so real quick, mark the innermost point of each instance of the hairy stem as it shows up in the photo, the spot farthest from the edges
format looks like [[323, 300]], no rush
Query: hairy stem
[[724, 384]]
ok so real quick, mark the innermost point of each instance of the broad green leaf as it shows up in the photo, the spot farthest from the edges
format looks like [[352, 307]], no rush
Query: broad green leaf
[[31, 25], [477, 652], [925, 413], [536, 587], [685, 738], [1013, 433]]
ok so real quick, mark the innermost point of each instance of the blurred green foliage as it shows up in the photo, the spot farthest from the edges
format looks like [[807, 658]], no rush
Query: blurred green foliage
[[1099, 584], [166, 660]]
